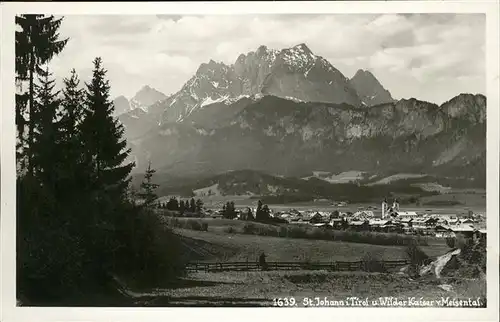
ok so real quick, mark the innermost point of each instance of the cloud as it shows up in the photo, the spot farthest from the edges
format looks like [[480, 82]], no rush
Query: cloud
[[410, 53], [169, 17]]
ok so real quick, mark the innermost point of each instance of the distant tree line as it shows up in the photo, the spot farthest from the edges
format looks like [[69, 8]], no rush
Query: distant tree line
[[78, 226], [262, 213], [183, 206]]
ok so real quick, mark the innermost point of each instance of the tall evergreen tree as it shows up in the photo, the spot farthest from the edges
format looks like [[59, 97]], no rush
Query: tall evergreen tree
[[73, 109], [266, 212], [258, 212], [37, 42], [199, 206], [71, 117], [107, 177], [105, 149], [173, 204], [228, 210], [192, 205], [46, 137], [148, 188], [263, 213], [249, 214]]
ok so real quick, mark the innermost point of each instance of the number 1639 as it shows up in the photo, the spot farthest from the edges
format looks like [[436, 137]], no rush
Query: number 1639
[[286, 301]]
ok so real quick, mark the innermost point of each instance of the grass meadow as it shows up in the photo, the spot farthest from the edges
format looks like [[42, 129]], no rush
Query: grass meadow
[[217, 244]]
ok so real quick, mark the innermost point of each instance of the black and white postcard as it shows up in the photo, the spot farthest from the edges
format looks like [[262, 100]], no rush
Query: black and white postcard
[[331, 159]]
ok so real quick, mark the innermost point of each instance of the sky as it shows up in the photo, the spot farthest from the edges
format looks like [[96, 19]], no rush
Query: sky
[[431, 57]]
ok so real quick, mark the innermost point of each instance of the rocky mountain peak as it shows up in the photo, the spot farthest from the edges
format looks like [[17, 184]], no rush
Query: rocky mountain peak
[[365, 74], [261, 50], [211, 67], [369, 89], [302, 47], [121, 104], [298, 56], [148, 95], [466, 106]]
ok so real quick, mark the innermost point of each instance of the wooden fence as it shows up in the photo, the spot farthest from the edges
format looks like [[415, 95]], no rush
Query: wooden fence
[[330, 266]]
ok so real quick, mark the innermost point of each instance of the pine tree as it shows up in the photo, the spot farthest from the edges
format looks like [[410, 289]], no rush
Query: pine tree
[[71, 117], [173, 204], [266, 212], [182, 207], [46, 137], [199, 206], [192, 205], [36, 44], [249, 215], [148, 188], [105, 149], [228, 210], [258, 213], [73, 110]]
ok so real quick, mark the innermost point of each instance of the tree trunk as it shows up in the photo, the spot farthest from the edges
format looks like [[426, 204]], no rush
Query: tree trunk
[[31, 114]]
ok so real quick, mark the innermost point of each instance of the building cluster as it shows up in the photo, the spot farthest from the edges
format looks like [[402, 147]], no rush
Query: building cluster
[[392, 219]]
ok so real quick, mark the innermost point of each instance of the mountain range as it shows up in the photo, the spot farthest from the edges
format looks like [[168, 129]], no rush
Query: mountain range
[[289, 112], [145, 97]]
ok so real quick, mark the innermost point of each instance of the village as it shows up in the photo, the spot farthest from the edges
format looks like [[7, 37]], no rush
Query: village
[[389, 219]]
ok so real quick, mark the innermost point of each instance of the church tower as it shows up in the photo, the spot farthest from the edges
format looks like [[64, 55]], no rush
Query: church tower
[[384, 208], [395, 205]]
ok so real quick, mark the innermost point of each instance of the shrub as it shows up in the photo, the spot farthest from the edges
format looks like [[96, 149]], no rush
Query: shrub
[[295, 231], [315, 233], [472, 257], [264, 230], [149, 251], [204, 226], [416, 255], [193, 224], [451, 242]]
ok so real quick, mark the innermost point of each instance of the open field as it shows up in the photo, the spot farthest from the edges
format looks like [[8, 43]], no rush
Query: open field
[[304, 231], [396, 177], [260, 288], [220, 246]]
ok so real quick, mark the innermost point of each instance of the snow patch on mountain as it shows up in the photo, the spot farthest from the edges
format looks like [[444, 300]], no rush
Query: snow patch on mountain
[[294, 99], [208, 100], [299, 56], [396, 177]]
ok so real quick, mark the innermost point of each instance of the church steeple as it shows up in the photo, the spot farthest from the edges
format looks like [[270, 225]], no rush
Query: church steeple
[[384, 208], [395, 205]]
